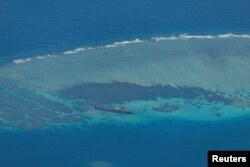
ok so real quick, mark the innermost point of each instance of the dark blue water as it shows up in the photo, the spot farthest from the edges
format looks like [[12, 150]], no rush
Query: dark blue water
[[169, 143], [35, 27], [48, 26]]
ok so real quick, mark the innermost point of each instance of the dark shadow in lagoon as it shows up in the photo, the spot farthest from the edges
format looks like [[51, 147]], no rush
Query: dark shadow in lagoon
[[119, 92], [26, 109]]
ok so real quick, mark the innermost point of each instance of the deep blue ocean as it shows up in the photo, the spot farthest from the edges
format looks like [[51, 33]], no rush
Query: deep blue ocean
[[29, 27], [32, 27]]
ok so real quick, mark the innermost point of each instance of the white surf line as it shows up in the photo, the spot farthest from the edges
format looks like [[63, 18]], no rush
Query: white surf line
[[113, 45], [20, 61], [77, 50], [124, 43], [230, 35], [187, 36]]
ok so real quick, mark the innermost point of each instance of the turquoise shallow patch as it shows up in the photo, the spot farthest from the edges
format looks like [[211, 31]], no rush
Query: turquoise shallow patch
[[198, 78]]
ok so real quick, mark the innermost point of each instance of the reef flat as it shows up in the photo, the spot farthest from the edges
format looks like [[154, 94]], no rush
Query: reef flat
[[203, 79]]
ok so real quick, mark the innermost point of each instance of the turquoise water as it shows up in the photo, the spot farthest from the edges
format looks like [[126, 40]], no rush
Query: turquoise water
[[189, 94], [180, 66]]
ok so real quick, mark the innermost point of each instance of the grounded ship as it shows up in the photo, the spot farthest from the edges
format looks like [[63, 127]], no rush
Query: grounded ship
[[121, 110]]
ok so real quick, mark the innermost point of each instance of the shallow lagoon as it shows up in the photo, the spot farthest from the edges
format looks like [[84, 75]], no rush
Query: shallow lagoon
[[47, 103]]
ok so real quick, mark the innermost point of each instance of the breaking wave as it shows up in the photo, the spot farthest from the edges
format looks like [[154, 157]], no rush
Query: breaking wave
[[128, 42], [187, 36], [18, 61]]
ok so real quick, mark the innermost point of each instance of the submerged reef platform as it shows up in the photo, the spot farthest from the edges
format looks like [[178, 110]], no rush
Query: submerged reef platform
[[166, 108], [92, 103], [202, 78]]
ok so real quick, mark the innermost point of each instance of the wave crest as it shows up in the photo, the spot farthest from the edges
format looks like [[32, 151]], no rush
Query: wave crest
[[187, 36], [184, 36]]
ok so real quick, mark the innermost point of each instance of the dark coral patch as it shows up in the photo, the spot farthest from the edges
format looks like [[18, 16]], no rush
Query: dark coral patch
[[118, 92]]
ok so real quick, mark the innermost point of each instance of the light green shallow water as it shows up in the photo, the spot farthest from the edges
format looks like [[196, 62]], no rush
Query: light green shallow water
[[219, 66]]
